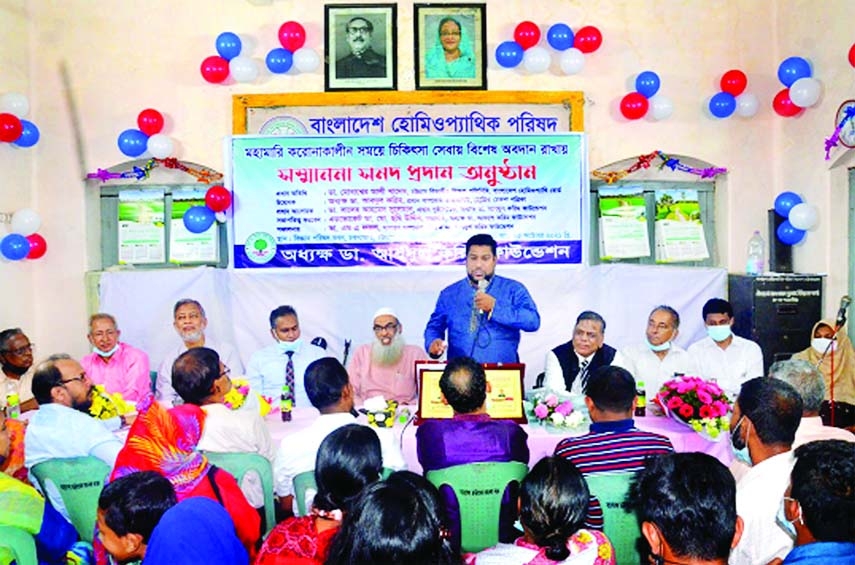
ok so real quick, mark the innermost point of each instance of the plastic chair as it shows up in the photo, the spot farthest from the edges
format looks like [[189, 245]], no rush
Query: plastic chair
[[238, 464], [21, 543], [620, 521], [79, 481], [153, 376], [305, 482], [479, 488]]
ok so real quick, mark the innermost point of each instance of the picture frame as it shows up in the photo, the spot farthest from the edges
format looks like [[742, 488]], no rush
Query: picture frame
[[362, 56], [450, 46]]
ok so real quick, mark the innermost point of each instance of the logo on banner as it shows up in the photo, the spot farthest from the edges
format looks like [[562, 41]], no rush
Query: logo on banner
[[260, 247]]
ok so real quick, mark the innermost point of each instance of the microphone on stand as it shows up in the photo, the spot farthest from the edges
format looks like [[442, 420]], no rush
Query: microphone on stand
[[841, 313]]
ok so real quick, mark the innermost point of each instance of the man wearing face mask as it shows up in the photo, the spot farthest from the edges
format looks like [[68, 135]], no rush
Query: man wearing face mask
[[765, 418], [268, 368], [659, 358], [116, 365], [723, 356]]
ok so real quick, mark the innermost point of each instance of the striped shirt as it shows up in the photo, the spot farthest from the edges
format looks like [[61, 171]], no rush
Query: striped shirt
[[612, 447]]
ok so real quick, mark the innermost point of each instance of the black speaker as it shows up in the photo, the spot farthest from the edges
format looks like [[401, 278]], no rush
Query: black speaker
[[780, 254]]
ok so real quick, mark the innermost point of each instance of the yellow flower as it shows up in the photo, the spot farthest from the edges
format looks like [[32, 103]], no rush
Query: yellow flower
[[605, 551], [584, 537], [106, 406]]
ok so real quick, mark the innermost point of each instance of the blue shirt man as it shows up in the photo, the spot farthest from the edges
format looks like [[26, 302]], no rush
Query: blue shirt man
[[483, 313]]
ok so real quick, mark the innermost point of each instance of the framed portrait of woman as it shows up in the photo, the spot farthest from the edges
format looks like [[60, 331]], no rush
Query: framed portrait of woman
[[451, 46], [360, 47]]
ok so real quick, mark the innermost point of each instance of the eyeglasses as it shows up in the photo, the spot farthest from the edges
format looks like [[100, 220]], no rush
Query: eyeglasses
[[225, 372], [21, 350], [362, 29], [387, 328], [81, 377], [449, 33]]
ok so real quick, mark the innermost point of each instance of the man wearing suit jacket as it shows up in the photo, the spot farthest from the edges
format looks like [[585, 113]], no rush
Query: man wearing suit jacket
[[569, 364]]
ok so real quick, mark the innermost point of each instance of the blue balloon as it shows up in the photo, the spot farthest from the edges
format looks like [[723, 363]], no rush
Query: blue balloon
[[792, 69], [14, 247], [29, 134], [560, 37], [722, 105], [509, 54], [785, 201], [133, 142], [789, 235], [279, 60], [228, 45], [198, 219], [647, 84]]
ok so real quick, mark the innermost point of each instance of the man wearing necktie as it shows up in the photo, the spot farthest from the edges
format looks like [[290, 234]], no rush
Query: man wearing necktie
[[569, 364]]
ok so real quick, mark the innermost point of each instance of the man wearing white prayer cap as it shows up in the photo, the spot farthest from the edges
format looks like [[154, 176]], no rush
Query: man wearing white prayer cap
[[386, 367]]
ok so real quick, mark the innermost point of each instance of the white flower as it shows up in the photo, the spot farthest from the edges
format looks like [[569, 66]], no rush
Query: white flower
[[379, 417], [375, 404], [557, 419], [574, 419]]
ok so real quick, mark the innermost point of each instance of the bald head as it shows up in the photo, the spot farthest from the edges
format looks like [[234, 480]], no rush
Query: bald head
[[464, 385]]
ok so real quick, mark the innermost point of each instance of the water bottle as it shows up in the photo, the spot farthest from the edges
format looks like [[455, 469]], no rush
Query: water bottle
[[13, 402], [641, 401], [756, 263]]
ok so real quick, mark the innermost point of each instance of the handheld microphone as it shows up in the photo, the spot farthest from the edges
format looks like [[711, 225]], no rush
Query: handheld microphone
[[482, 287], [841, 313]]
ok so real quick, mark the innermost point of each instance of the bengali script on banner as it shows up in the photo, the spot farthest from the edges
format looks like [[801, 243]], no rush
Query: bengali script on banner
[[405, 200]]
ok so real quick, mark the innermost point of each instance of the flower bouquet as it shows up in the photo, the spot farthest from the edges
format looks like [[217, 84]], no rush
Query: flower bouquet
[[699, 404], [105, 405], [236, 397], [381, 412], [549, 410]]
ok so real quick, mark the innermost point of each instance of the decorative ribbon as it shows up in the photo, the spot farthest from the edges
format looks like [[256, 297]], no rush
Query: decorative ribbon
[[203, 176], [645, 161]]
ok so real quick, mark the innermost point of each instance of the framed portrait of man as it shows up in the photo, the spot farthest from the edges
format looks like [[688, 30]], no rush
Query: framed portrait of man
[[360, 51], [451, 46]]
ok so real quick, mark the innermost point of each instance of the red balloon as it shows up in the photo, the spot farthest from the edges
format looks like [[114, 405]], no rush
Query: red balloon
[[10, 127], [783, 105], [734, 82], [292, 36], [38, 246], [218, 198], [215, 69], [150, 121], [633, 106], [852, 55], [588, 39], [527, 34]]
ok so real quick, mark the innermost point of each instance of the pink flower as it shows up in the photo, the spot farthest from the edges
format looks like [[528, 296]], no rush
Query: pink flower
[[674, 402], [672, 385], [704, 397], [686, 411], [541, 411], [706, 412], [564, 408], [551, 400], [720, 408], [684, 387]]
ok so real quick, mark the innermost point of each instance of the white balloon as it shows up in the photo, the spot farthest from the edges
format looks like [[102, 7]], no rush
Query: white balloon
[[26, 221], [15, 104], [243, 68], [305, 60], [160, 146], [805, 92], [803, 216], [661, 107], [220, 216], [572, 61], [747, 104], [536, 59]]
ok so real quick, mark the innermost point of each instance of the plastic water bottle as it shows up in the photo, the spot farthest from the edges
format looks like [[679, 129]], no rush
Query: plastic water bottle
[[641, 402], [756, 263], [13, 405]]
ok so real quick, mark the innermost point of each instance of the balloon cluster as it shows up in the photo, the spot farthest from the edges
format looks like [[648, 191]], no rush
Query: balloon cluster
[[23, 242], [229, 61], [198, 219], [801, 89], [799, 215], [135, 142], [636, 104], [14, 128], [535, 59], [292, 37], [733, 97]]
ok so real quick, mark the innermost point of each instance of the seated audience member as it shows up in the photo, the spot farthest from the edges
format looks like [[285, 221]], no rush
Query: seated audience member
[[60, 427], [395, 522], [200, 379], [765, 417], [569, 365], [470, 437], [841, 358], [330, 392], [167, 441], [348, 460], [16, 365], [129, 508], [686, 505], [22, 507], [819, 505], [386, 367], [118, 366], [659, 358], [553, 505], [12, 464], [190, 322], [195, 531], [271, 368], [722, 356]]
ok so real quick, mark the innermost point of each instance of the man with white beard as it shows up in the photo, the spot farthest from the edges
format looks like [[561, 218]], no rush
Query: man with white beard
[[386, 366]]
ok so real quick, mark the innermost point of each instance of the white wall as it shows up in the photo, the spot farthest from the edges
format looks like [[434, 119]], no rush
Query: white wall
[[122, 57]]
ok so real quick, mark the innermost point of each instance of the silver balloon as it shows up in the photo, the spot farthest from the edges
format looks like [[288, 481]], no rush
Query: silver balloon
[[803, 216], [536, 59], [661, 107], [805, 92], [14, 103], [26, 221], [306, 60], [160, 146], [243, 68], [572, 61], [747, 104]]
